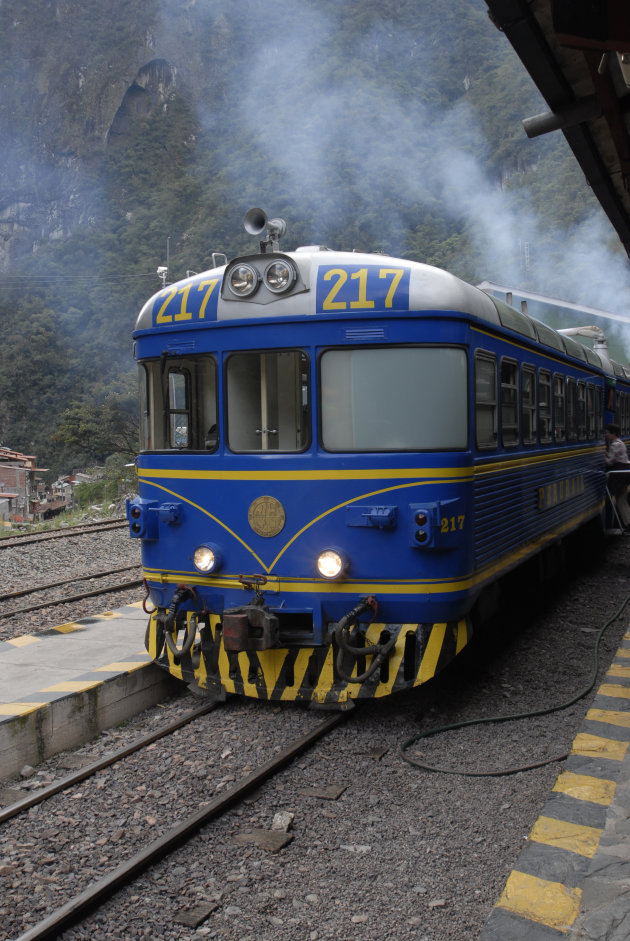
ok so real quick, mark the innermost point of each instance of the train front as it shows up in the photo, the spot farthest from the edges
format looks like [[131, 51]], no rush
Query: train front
[[303, 503]]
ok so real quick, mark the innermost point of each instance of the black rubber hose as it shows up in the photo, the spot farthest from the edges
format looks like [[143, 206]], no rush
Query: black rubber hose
[[520, 715]]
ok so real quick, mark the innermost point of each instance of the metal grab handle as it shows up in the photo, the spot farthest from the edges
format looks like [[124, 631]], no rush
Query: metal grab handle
[[266, 431]]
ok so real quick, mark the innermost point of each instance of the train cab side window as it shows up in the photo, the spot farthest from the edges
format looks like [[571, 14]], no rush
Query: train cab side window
[[178, 410], [268, 401], [528, 404], [146, 413], [509, 403], [572, 410], [559, 407], [544, 406], [485, 400], [179, 404]]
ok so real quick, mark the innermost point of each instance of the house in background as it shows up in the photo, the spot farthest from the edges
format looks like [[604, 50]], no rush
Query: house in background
[[21, 490]]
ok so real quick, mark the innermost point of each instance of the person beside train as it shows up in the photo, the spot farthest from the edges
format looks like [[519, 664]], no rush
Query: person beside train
[[617, 459]]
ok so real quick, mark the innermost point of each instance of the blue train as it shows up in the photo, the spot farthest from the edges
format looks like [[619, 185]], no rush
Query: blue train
[[341, 455]]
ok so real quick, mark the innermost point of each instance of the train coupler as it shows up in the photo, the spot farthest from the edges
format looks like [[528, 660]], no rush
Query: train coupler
[[251, 627]]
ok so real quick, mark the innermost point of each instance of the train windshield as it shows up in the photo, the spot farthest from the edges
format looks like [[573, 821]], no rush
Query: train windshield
[[268, 401], [394, 399]]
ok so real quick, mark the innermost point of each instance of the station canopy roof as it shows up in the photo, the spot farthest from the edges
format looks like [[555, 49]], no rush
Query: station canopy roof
[[578, 54]]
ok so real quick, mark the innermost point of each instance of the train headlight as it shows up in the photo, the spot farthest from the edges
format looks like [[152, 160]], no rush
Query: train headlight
[[243, 280], [207, 559], [332, 564], [279, 276]]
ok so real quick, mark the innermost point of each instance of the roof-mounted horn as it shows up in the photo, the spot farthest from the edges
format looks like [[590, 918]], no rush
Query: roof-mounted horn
[[256, 222]]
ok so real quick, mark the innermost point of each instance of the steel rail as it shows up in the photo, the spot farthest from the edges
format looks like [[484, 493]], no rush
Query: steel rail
[[25, 539], [38, 797], [67, 581], [121, 586], [102, 890]]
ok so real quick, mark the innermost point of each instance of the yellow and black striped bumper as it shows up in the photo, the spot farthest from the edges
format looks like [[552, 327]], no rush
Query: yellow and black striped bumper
[[309, 674]]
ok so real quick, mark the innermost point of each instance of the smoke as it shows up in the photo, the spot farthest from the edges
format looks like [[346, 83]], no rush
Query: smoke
[[353, 131], [363, 118]]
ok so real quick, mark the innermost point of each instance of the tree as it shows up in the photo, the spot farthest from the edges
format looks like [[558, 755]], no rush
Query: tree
[[91, 433]]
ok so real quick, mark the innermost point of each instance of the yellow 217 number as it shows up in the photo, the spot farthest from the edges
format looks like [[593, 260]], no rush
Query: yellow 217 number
[[451, 524], [339, 277]]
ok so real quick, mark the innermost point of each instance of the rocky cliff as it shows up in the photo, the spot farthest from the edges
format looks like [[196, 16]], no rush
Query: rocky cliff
[[75, 76]]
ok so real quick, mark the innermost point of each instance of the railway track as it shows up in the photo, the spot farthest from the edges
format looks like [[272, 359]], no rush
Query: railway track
[[24, 539], [182, 831], [402, 853], [66, 599], [89, 770]]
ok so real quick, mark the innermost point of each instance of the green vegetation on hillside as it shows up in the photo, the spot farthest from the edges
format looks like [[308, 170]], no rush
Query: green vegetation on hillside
[[377, 124]]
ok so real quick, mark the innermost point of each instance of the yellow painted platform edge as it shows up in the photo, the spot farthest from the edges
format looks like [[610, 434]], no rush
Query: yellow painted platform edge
[[554, 904]]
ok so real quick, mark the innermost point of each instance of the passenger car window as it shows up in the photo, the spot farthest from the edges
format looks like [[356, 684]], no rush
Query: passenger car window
[[485, 400], [509, 402]]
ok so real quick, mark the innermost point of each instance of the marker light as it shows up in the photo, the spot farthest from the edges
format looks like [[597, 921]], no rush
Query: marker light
[[207, 558], [279, 276], [423, 519], [331, 564], [135, 513], [243, 280]]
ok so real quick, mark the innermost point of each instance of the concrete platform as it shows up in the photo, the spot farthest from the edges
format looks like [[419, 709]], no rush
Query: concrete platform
[[572, 878], [60, 688]]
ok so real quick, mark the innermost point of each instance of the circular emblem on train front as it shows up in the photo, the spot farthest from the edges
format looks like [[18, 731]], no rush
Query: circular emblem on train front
[[266, 516]]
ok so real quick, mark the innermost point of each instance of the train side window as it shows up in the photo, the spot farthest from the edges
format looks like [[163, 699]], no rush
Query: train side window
[[591, 411], [581, 410], [178, 409], [528, 404], [485, 400], [544, 406], [268, 401], [509, 403], [559, 407], [599, 413], [571, 409], [145, 378], [179, 404]]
